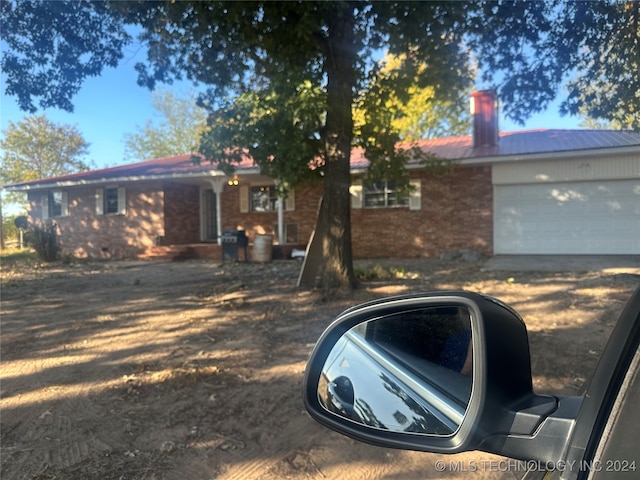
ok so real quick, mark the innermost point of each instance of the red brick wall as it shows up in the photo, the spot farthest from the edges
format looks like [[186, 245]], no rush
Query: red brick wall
[[181, 214], [85, 234], [456, 214], [307, 199]]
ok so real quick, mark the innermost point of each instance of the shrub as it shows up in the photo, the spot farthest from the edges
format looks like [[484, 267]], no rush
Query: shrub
[[9, 230], [43, 238], [377, 272]]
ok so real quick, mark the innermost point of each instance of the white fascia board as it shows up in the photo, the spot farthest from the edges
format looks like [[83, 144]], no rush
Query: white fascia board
[[134, 178], [557, 155]]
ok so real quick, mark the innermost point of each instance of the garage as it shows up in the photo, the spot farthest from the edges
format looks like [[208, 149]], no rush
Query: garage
[[594, 217]]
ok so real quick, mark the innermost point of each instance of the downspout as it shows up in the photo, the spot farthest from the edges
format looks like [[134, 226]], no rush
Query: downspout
[[217, 185]]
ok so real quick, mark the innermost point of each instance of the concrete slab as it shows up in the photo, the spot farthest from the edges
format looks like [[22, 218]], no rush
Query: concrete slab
[[566, 263]]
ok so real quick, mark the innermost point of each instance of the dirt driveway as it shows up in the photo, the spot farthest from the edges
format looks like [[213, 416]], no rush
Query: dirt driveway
[[193, 370]]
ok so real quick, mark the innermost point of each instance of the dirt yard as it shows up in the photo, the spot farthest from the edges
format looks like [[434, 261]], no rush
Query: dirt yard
[[193, 370]]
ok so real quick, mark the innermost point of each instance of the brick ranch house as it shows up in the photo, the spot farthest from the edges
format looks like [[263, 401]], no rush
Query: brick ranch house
[[526, 192]]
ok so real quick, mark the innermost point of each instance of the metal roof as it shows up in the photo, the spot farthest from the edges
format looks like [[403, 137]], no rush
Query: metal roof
[[177, 167], [531, 142], [511, 146]]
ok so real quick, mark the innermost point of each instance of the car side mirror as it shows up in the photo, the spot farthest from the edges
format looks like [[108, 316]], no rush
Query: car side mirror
[[405, 372], [441, 372]]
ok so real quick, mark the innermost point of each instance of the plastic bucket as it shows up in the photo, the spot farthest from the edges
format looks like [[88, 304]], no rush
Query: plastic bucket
[[262, 248]]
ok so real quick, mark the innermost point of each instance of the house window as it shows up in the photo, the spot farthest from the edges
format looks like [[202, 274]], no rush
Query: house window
[[291, 233], [55, 204], [264, 199], [110, 201], [384, 194]]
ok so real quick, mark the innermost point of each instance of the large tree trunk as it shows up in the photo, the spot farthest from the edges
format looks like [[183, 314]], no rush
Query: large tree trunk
[[335, 210]]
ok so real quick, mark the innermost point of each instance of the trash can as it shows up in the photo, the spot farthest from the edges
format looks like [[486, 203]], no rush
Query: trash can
[[232, 241], [263, 248]]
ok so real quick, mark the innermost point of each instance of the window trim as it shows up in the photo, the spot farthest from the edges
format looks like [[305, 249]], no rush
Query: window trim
[[247, 204], [386, 193], [48, 204], [272, 200], [101, 201], [357, 190]]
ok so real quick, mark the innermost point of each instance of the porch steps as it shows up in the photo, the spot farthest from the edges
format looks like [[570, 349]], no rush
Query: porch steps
[[177, 253]]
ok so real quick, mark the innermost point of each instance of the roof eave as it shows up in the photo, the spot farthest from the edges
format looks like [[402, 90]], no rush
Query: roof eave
[[104, 181], [475, 161], [564, 154], [526, 157]]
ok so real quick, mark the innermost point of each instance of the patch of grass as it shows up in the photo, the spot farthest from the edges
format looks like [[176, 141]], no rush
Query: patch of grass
[[12, 258], [378, 272], [15, 264], [399, 272]]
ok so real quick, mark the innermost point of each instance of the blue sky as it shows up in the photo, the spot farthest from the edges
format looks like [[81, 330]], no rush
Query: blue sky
[[105, 109], [109, 106]]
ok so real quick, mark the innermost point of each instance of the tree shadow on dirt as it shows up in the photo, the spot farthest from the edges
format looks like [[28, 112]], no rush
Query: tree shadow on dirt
[[150, 373]]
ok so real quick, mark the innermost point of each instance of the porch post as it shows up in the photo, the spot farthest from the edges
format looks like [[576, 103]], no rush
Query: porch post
[[281, 238], [280, 221], [217, 185]]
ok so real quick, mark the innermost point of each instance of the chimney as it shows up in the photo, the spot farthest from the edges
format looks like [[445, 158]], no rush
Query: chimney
[[484, 109]]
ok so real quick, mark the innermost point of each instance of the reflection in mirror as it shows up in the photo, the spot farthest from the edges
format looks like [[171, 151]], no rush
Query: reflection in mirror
[[406, 372]]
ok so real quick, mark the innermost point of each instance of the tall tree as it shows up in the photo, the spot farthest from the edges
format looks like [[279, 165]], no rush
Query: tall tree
[[591, 123], [178, 131], [54, 46], [418, 112], [39, 148], [606, 84], [527, 49], [271, 49], [276, 48]]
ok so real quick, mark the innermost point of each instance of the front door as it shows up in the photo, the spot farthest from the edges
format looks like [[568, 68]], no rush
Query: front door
[[209, 221]]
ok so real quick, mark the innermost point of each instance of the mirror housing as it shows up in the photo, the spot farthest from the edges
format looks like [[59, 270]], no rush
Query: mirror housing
[[504, 416]]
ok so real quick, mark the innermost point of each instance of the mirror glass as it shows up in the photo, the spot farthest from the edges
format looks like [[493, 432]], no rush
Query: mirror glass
[[406, 372]]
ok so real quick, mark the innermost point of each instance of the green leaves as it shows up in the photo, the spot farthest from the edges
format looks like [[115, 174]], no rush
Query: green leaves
[[54, 46], [38, 148], [530, 49], [182, 123], [280, 130], [606, 84], [525, 49]]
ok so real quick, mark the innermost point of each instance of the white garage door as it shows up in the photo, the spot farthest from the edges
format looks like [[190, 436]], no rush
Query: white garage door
[[568, 218]]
